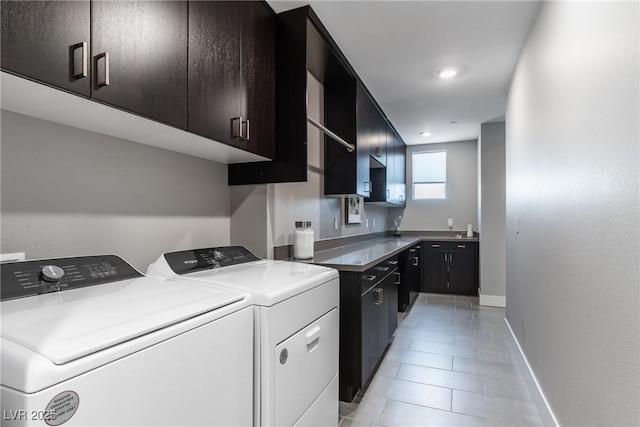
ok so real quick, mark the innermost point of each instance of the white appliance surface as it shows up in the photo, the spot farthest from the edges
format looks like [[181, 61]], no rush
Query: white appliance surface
[[139, 351], [296, 328]]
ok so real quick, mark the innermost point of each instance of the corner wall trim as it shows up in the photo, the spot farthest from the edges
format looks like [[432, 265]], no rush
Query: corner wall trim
[[493, 300], [533, 375]]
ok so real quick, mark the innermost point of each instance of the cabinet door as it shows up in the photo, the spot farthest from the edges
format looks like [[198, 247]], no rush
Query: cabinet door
[[364, 135], [214, 70], [435, 268], [258, 77], [369, 333], [146, 43], [392, 285], [415, 270], [405, 260], [399, 170], [391, 165], [42, 40], [461, 270]]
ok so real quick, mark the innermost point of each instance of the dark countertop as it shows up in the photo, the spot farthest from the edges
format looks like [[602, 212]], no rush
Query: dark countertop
[[361, 256]]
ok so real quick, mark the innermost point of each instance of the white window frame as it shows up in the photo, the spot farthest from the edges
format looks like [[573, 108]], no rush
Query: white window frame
[[438, 187]]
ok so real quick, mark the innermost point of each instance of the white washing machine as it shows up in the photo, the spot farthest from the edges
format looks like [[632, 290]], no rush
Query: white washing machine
[[89, 341], [296, 328]]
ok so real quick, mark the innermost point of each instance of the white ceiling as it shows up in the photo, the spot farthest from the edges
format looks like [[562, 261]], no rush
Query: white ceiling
[[396, 47]]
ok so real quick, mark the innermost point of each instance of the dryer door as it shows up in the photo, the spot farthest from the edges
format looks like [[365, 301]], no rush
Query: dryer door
[[306, 363]]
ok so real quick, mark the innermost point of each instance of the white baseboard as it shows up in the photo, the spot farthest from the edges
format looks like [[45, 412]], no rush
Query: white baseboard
[[493, 300], [533, 375]]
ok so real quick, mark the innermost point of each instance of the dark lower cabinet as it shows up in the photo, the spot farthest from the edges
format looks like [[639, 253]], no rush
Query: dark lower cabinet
[[48, 41], [410, 267], [450, 267], [368, 319], [139, 51]]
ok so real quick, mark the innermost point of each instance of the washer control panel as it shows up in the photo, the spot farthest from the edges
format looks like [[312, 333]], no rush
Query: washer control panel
[[28, 278], [208, 258]]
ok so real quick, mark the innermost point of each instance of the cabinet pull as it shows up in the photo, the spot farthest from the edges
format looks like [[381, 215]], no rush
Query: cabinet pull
[[393, 262], [445, 257], [399, 278], [81, 70], [379, 297], [105, 80], [247, 133], [412, 250], [415, 260], [382, 268], [237, 134], [450, 257], [435, 246], [462, 246], [370, 278]]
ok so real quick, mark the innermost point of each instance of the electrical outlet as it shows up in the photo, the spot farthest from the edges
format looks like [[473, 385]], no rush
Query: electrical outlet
[[450, 222], [18, 256], [335, 223]]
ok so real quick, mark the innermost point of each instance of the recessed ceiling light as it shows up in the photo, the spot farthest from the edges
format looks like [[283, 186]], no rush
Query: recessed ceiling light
[[447, 73], [425, 134]]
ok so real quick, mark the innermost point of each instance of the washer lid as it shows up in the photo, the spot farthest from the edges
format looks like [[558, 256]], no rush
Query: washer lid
[[65, 326]]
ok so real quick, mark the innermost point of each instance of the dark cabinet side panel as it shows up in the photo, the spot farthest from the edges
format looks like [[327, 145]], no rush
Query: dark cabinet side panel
[[147, 46], [38, 39]]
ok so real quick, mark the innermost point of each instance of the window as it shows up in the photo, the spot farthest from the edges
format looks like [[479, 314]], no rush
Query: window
[[429, 170]]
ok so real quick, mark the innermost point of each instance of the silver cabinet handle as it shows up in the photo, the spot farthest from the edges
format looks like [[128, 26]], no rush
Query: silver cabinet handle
[[81, 70], [450, 257], [105, 80], [248, 128], [236, 132], [418, 247], [415, 260], [462, 246], [399, 278], [379, 297], [412, 250], [382, 268], [393, 262], [370, 278], [445, 257], [435, 246]]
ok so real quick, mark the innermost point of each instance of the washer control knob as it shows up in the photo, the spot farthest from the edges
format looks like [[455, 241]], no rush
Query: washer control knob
[[51, 273]]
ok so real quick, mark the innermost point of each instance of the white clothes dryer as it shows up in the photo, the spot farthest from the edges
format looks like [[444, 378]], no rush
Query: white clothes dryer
[[89, 341], [296, 328]]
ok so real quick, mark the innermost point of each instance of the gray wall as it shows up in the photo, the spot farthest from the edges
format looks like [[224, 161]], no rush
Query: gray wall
[[573, 282], [67, 191], [263, 216], [491, 214], [461, 203]]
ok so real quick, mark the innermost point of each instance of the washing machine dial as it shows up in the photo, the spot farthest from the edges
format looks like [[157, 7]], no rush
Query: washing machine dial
[[52, 273]]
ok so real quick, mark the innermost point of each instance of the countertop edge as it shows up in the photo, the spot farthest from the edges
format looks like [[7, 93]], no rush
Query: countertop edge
[[408, 241]]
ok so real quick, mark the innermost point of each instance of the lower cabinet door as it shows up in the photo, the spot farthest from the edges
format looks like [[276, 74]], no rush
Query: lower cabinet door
[[369, 333], [461, 272], [435, 272]]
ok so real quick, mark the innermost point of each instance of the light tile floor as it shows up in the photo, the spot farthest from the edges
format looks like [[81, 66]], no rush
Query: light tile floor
[[451, 363]]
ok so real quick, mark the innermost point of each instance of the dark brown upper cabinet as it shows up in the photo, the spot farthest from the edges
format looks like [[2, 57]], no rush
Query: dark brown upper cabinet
[[232, 74], [302, 45], [139, 51], [48, 41]]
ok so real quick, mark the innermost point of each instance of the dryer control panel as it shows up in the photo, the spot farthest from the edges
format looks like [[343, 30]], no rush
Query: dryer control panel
[[208, 258], [28, 278]]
